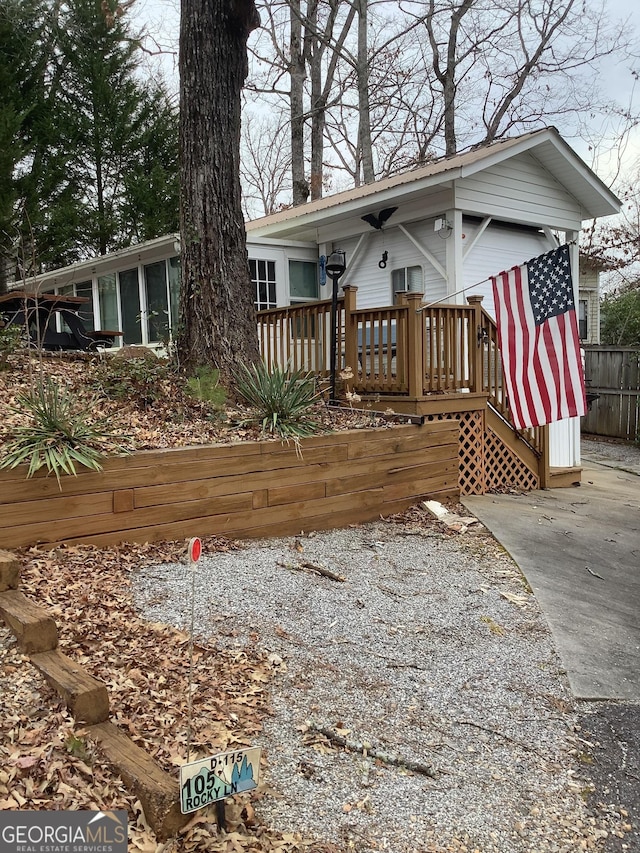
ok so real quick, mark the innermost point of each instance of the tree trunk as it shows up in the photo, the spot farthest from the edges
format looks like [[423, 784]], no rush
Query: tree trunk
[[297, 72], [217, 299], [314, 52], [364, 112]]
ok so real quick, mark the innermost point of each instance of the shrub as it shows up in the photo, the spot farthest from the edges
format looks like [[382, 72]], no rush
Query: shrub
[[59, 435], [141, 379], [281, 400], [205, 386], [10, 341]]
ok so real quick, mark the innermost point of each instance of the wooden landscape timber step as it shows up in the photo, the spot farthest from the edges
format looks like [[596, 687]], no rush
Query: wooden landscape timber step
[[156, 789], [31, 625], [85, 696], [10, 569], [88, 700]]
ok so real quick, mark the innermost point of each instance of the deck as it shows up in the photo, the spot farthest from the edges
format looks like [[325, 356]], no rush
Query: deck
[[437, 361]]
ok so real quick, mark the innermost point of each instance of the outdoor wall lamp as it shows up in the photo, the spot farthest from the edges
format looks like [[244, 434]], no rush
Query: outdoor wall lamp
[[482, 335], [443, 228], [335, 267]]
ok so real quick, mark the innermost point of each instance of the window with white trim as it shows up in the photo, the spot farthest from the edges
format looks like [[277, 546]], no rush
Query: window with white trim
[[303, 281], [406, 280], [583, 323], [263, 277], [85, 312]]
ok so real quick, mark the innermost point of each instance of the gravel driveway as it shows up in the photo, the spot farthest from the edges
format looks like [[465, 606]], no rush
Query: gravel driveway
[[430, 654]]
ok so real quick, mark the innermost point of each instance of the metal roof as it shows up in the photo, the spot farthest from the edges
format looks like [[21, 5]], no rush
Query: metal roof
[[546, 146]]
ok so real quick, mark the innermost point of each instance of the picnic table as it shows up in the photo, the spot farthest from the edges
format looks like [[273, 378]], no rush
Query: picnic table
[[37, 312]]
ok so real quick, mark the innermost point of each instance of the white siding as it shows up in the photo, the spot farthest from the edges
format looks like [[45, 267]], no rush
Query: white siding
[[498, 249], [519, 190], [373, 283], [564, 443], [280, 255]]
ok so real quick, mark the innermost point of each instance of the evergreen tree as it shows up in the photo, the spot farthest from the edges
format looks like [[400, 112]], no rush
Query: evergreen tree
[[111, 121], [22, 48], [151, 197], [620, 318], [94, 161]]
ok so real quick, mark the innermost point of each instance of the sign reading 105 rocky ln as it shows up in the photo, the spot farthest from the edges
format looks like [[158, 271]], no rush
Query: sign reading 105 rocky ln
[[203, 782]]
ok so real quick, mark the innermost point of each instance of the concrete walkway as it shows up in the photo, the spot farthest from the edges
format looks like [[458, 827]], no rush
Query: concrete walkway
[[579, 549]]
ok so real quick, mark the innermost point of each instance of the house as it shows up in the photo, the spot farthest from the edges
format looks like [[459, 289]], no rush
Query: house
[[440, 230], [589, 301], [135, 290]]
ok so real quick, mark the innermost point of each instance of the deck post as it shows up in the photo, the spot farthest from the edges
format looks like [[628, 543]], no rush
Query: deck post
[[477, 345], [415, 344], [545, 469], [350, 329]]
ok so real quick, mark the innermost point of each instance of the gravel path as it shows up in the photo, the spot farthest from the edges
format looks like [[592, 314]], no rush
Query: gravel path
[[612, 453], [432, 651]]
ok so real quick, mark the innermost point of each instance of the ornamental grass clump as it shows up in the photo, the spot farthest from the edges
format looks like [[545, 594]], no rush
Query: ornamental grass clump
[[282, 400], [59, 435]]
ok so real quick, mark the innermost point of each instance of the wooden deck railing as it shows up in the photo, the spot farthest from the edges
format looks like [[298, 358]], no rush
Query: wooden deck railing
[[299, 336], [450, 348], [406, 349]]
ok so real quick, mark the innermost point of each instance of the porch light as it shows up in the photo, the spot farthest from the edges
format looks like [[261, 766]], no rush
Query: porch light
[[336, 265]]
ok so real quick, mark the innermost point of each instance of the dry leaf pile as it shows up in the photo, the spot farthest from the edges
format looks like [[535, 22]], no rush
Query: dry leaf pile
[[173, 420], [48, 762]]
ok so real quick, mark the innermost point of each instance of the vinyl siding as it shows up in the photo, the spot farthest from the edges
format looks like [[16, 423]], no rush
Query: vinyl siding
[[519, 190], [374, 284], [498, 249]]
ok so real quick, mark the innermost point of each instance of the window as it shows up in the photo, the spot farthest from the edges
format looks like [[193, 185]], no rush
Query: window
[[583, 305], [155, 279], [406, 280], [85, 288], [130, 302], [303, 281], [108, 298], [85, 312], [263, 277]]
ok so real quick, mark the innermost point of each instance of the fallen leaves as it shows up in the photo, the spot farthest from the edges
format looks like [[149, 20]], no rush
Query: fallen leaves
[[48, 762], [172, 419]]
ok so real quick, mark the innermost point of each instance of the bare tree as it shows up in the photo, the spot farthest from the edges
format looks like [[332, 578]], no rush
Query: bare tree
[[317, 32], [418, 79], [515, 66], [217, 303], [265, 166]]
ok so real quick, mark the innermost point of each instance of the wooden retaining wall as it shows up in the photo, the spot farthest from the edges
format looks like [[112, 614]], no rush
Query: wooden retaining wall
[[240, 490]]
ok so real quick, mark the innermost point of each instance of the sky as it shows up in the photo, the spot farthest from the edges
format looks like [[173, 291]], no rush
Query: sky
[[160, 19]]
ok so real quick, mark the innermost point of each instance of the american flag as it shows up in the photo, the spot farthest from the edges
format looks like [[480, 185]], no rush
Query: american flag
[[538, 340]]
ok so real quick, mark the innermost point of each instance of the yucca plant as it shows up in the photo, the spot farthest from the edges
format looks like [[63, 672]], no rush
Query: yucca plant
[[59, 435], [281, 399]]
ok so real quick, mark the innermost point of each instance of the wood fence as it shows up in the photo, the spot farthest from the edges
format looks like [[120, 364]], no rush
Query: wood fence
[[240, 490], [613, 373]]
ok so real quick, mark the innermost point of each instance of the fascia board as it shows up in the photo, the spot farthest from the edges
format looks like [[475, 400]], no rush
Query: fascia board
[[341, 210], [157, 249]]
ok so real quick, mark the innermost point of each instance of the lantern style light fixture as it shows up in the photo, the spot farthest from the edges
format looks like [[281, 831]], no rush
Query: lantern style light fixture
[[335, 267]]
